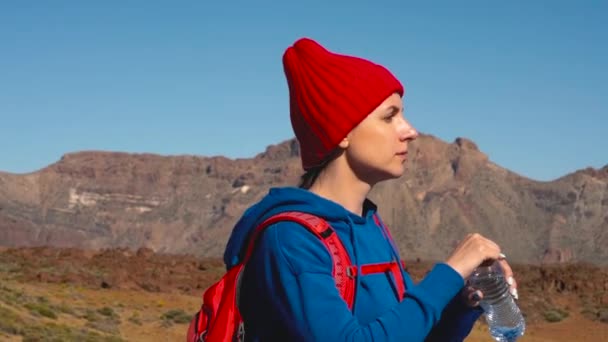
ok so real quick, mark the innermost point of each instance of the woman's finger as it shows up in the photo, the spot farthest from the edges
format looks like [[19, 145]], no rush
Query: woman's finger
[[509, 277], [475, 297]]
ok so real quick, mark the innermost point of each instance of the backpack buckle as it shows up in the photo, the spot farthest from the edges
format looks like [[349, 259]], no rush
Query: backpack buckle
[[239, 336], [351, 271]]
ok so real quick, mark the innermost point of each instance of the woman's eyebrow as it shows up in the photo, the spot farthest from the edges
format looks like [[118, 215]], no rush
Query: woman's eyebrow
[[393, 109]]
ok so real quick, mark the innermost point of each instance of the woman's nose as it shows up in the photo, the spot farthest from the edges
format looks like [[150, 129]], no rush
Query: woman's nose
[[408, 132]]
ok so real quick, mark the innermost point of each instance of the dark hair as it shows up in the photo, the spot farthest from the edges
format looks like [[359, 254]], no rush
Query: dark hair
[[311, 175]]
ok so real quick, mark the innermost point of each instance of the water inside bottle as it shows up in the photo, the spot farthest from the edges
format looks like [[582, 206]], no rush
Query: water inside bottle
[[507, 334]]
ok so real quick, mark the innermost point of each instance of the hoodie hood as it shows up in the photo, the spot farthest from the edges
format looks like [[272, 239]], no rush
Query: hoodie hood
[[280, 200]]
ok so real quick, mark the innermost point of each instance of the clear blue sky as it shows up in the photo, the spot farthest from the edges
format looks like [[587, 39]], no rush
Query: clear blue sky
[[526, 80]]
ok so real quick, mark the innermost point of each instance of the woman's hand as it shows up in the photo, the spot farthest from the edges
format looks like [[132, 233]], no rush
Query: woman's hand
[[472, 296], [509, 276], [471, 252]]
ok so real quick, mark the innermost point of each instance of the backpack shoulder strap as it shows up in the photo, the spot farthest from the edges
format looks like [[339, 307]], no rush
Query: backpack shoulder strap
[[343, 271]]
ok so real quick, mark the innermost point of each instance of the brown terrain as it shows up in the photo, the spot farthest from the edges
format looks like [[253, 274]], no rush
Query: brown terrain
[[113, 246], [187, 204], [119, 294]]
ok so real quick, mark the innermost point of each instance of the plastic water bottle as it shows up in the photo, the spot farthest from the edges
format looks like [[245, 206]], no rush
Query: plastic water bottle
[[505, 321]]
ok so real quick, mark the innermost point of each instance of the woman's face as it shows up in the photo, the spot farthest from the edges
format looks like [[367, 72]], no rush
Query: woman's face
[[376, 149]]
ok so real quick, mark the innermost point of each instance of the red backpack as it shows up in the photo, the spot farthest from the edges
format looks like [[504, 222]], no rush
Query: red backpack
[[219, 319]]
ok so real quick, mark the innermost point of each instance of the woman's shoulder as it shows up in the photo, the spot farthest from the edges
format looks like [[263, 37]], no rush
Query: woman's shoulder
[[294, 244]]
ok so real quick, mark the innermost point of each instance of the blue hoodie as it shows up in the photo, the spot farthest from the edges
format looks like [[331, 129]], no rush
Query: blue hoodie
[[288, 292]]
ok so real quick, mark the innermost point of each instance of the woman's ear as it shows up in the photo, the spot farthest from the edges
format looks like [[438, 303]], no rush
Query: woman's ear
[[344, 143]]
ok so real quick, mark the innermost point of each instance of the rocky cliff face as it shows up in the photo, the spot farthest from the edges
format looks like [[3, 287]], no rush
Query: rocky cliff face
[[188, 204]]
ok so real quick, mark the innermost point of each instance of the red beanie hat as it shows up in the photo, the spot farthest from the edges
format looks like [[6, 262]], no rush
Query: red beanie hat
[[330, 94]]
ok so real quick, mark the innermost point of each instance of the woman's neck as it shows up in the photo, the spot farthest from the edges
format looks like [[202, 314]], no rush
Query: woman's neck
[[338, 183]]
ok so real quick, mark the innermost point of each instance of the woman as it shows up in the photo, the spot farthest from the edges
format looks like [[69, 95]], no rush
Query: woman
[[347, 114]]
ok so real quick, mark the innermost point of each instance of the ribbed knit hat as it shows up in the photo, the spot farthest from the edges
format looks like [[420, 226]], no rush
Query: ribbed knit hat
[[329, 95]]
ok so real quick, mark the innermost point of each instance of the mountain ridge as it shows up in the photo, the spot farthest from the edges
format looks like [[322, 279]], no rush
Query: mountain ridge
[[188, 204]]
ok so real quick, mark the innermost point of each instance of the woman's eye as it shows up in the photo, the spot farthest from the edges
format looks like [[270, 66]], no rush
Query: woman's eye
[[389, 117]]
